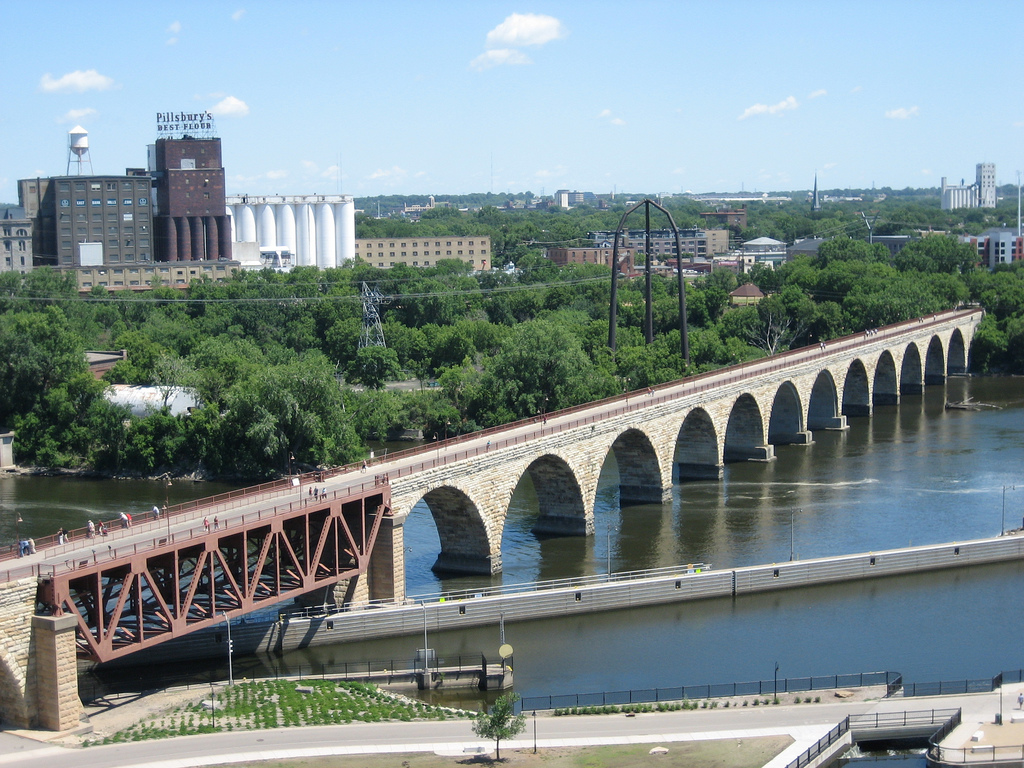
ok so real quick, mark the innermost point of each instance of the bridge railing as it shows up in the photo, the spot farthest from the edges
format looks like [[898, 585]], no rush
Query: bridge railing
[[591, 413], [162, 535]]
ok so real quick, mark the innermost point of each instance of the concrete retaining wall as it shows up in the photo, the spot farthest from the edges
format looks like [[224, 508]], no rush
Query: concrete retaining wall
[[448, 615]]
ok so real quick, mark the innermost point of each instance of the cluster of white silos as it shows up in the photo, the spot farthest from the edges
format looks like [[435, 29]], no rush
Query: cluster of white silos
[[320, 230]]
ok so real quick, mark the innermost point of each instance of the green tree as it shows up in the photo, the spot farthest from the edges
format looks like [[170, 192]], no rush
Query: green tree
[[500, 721], [374, 366]]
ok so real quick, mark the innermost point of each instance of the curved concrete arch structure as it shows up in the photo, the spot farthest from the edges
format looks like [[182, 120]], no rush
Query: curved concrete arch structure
[[885, 389], [639, 468], [697, 454], [465, 540], [683, 431], [856, 390], [786, 423], [744, 433]]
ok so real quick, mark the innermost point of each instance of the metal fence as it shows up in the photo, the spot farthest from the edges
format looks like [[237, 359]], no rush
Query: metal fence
[[710, 691], [812, 752], [950, 687]]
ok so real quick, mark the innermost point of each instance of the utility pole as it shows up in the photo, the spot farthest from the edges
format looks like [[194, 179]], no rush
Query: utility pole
[[372, 334], [870, 225]]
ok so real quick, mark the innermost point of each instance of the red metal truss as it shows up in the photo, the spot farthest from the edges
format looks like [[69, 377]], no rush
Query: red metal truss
[[136, 601]]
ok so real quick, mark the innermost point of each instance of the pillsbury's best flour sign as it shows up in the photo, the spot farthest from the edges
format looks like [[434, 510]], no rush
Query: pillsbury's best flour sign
[[178, 125]]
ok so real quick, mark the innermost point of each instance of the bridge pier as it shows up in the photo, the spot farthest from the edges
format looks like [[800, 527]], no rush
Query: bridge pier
[[750, 452], [688, 471], [829, 424], [385, 575], [477, 565], [794, 438], [58, 707], [643, 494], [857, 409], [886, 398]]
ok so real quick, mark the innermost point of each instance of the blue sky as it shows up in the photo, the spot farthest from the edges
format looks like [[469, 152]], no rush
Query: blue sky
[[402, 97]]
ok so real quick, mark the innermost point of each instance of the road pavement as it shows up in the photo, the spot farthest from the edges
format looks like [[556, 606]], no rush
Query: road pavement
[[805, 723]]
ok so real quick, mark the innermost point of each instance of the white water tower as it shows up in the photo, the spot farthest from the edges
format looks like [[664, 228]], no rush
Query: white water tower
[[78, 151]]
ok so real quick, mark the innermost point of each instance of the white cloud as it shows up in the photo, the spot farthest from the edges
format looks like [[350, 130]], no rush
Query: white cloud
[[817, 93], [857, 89], [902, 113], [926, 171], [829, 166], [78, 81], [522, 29], [175, 27], [230, 106], [393, 173], [274, 175], [310, 166], [605, 113], [618, 121], [237, 15], [76, 115], [499, 56], [769, 109], [330, 172]]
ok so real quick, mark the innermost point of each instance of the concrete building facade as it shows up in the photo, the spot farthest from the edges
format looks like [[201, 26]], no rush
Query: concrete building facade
[[980, 194], [191, 218], [696, 243], [387, 252], [15, 240], [90, 220], [318, 230], [997, 246], [603, 256]]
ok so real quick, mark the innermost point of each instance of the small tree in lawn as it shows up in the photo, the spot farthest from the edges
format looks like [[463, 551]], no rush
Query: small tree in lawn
[[500, 722]]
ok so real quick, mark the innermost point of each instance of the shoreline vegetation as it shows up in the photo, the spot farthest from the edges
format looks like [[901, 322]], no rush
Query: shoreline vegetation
[[278, 377]]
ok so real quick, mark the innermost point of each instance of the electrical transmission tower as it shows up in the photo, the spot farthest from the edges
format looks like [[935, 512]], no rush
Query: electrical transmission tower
[[372, 334]]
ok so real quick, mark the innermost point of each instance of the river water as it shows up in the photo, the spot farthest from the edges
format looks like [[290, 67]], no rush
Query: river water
[[910, 474]]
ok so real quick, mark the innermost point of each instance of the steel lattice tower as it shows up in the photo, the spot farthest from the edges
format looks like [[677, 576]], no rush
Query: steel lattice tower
[[372, 334]]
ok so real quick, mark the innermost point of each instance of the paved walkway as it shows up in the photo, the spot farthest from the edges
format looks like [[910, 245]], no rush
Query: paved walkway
[[805, 723]]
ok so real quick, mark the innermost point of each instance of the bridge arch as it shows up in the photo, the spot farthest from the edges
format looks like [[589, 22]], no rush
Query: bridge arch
[[696, 452], [935, 362], [885, 389], [639, 470], [856, 392], [744, 434], [911, 372], [13, 706], [823, 405], [465, 544], [559, 497], [957, 361], [786, 422]]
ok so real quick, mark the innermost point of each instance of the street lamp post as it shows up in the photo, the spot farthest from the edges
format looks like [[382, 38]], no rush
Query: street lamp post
[[535, 731], [775, 686], [231, 673], [1002, 526], [167, 498]]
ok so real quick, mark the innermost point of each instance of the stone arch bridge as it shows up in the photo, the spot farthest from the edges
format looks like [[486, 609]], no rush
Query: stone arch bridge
[[679, 431]]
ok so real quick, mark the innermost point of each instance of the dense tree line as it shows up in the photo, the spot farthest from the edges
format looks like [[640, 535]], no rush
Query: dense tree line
[[275, 358]]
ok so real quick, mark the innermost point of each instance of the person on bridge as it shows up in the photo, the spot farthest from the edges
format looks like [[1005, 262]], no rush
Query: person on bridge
[[124, 520], [216, 523], [90, 529], [156, 512], [206, 524]]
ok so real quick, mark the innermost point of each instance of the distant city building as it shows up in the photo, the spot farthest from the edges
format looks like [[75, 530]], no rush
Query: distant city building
[[997, 246], [89, 220], [695, 243], [143, 277], [191, 217], [763, 250], [387, 252], [601, 255], [16, 242], [314, 230], [980, 194], [815, 201], [414, 212], [565, 198], [729, 217]]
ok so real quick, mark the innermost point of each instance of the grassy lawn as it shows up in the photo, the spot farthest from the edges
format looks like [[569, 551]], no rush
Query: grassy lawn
[[724, 753]]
